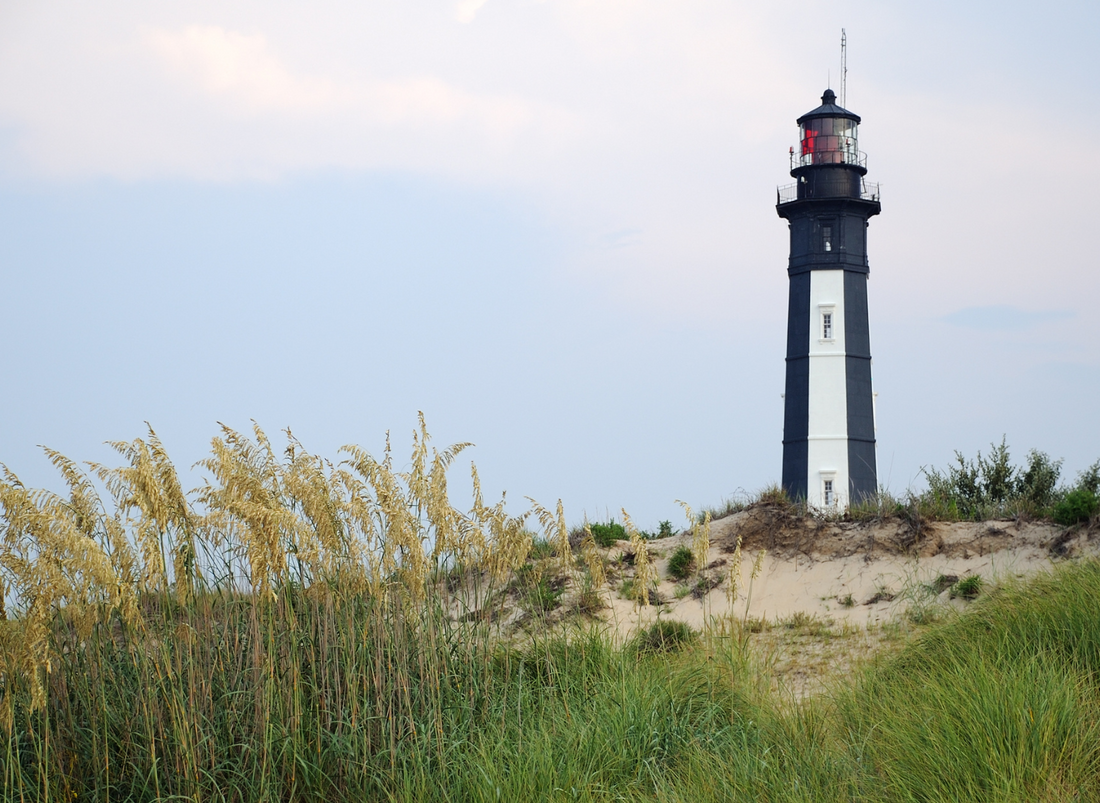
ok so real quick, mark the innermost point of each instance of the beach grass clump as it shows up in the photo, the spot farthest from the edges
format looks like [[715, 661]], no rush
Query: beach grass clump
[[665, 635], [681, 563], [968, 588]]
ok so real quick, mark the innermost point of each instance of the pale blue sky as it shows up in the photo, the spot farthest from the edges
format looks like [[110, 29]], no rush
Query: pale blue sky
[[548, 225]]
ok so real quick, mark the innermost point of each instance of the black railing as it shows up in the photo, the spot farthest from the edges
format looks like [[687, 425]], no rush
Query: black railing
[[786, 193], [836, 157], [868, 191]]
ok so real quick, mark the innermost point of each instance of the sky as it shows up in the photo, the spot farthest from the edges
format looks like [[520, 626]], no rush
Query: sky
[[547, 224]]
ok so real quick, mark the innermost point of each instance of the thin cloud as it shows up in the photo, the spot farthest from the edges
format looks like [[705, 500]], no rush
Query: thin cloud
[[241, 68], [466, 10]]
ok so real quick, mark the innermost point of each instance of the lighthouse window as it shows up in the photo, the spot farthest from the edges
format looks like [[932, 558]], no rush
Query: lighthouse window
[[827, 238], [830, 497], [827, 325]]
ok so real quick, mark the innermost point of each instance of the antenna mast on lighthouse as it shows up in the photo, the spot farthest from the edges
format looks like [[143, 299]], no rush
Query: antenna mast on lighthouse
[[843, 69]]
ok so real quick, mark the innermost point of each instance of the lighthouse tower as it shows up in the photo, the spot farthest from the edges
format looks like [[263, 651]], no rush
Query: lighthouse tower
[[829, 418]]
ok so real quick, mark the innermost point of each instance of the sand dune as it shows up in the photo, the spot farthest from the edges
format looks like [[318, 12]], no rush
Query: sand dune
[[857, 573]]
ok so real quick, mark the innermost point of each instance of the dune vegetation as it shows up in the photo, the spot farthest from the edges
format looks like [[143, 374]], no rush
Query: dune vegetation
[[296, 630]]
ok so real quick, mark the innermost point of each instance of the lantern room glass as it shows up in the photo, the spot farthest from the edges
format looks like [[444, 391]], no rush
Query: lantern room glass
[[829, 140]]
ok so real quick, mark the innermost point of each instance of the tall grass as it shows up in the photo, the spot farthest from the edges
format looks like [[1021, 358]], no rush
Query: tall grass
[[287, 631], [298, 631], [1000, 704]]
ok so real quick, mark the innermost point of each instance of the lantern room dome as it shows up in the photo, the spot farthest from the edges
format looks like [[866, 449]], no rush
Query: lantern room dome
[[828, 108], [829, 135]]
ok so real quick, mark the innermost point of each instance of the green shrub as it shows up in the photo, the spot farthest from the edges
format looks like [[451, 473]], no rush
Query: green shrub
[[1077, 506], [664, 530], [990, 487], [681, 564], [607, 534], [980, 486], [1089, 479], [1037, 484]]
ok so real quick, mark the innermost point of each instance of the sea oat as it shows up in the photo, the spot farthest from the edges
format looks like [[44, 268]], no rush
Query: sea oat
[[644, 571]]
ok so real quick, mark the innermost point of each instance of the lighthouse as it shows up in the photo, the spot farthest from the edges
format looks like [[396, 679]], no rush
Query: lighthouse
[[829, 416]]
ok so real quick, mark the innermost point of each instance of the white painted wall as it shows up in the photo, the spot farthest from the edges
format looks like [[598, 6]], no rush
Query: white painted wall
[[828, 408]]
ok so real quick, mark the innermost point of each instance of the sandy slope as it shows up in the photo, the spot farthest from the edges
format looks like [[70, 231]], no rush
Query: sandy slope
[[856, 573]]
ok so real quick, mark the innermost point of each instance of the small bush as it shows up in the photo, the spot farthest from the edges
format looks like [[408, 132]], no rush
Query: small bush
[[991, 487], [665, 636], [664, 530], [1089, 479], [1037, 484], [538, 593], [681, 564], [808, 624], [773, 495], [1077, 506], [967, 588], [606, 535]]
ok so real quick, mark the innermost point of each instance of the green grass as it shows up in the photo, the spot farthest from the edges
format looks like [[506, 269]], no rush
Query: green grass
[[307, 697], [998, 704], [967, 588]]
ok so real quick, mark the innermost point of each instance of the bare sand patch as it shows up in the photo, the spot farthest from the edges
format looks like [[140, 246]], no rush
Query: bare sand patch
[[831, 592]]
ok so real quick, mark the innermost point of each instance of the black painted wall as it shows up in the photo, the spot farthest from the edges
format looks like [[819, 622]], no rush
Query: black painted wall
[[796, 399], [862, 473], [847, 218]]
